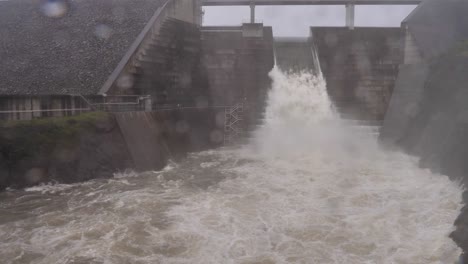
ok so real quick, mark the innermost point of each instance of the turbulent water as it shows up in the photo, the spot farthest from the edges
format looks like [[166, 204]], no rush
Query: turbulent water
[[308, 188]]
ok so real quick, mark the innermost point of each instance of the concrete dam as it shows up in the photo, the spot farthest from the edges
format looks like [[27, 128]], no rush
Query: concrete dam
[[133, 133]]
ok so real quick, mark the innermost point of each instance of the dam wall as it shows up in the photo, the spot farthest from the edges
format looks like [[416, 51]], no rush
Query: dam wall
[[295, 54], [427, 115], [169, 99], [237, 61], [169, 68], [427, 106], [153, 138], [360, 67]]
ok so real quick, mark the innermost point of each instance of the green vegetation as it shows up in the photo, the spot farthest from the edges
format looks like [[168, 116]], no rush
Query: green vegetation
[[20, 140]]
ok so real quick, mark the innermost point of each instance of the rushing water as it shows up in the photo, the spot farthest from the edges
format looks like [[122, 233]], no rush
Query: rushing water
[[308, 188]]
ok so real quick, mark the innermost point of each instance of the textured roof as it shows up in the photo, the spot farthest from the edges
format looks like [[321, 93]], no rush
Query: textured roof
[[438, 25], [46, 51]]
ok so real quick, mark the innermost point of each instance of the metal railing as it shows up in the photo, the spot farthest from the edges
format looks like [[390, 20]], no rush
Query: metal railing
[[117, 103], [120, 103]]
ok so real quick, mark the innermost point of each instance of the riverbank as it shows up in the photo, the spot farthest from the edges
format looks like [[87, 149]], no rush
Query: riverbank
[[65, 150]]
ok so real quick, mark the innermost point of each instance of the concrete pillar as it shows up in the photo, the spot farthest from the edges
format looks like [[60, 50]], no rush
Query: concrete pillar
[[350, 16], [252, 12]]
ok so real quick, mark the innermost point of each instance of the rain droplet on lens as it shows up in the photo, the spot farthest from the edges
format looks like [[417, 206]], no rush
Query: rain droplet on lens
[[125, 82], [103, 31], [54, 8]]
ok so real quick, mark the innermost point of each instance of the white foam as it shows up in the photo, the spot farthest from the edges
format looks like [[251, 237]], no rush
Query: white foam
[[308, 189], [317, 191], [205, 165], [49, 188]]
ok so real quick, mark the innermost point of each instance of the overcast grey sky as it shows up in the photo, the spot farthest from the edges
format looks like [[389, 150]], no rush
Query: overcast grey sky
[[295, 20]]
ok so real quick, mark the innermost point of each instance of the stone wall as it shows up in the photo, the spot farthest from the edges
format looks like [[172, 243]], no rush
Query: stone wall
[[360, 67]]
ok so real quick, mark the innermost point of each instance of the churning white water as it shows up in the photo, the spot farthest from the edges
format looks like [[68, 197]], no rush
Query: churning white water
[[308, 188]]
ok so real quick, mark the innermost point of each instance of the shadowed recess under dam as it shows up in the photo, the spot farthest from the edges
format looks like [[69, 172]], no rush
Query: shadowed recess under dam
[[307, 188]]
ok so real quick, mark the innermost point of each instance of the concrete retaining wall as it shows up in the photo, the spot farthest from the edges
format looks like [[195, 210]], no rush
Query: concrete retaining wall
[[238, 60], [428, 113], [153, 138], [170, 70], [405, 103], [360, 67]]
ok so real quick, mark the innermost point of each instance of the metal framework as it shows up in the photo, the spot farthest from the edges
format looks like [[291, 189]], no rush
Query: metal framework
[[233, 123]]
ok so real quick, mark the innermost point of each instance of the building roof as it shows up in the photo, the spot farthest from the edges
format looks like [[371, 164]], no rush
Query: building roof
[[66, 47], [438, 25]]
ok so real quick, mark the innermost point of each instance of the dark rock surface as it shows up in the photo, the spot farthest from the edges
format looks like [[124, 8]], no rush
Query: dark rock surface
[[44, 51], [153, 138], [404, 105]]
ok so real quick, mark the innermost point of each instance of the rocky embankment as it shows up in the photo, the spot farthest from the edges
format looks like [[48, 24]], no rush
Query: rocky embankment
[[65, 150]]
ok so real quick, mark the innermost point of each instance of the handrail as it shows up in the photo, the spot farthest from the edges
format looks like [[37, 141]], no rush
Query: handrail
[[44, 110], [131, 52], [95, 107]]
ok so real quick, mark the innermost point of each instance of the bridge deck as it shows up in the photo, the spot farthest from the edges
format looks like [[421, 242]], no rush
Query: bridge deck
[[309, 2]]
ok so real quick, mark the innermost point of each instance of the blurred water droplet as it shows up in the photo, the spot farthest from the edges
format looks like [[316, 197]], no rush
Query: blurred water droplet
[[125, 82], [103, 31], [55, 8]]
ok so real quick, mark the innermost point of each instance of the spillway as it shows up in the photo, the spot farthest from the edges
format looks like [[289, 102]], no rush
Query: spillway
[[308, 187]]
